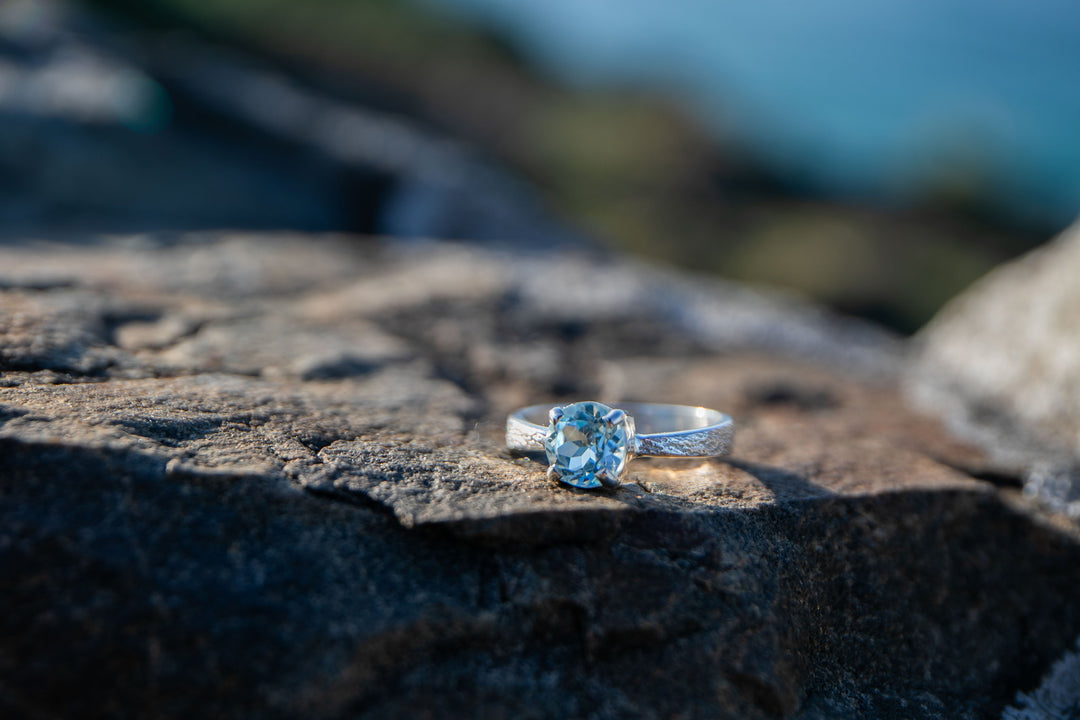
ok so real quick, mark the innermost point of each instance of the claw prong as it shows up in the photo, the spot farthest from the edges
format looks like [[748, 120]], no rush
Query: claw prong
[[615, 416], [607, 480]]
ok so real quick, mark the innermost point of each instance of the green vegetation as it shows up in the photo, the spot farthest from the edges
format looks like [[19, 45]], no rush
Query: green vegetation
[[339, 30]]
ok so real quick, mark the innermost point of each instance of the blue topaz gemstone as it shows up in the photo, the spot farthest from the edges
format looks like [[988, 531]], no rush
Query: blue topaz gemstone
[[587, 444]]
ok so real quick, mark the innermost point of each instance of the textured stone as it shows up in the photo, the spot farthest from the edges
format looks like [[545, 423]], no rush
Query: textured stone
[[264, 476], [1002, 364], [1057, 697]]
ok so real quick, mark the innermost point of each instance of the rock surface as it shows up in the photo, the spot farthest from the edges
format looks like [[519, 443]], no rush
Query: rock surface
[[263, 476], [1057, 697], [1002, 364]]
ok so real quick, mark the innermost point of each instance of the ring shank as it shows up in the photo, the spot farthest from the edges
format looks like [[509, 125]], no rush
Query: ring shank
[[661, 430]]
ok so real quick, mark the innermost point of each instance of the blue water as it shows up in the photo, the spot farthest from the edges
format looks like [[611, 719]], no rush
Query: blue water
[[887, 99]]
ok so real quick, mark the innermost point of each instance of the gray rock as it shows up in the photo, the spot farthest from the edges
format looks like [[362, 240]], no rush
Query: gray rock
[[1002, 364], [1057, 697], [263, 476]]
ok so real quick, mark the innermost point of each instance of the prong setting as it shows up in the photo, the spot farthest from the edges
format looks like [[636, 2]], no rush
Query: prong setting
[[615, 416], [588, 444], [607, 480]]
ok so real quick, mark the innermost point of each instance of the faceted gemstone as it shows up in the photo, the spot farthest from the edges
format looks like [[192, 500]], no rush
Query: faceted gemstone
[[582, 444]]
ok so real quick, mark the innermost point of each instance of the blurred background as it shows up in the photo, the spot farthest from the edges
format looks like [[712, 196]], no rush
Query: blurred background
[[876, 157]]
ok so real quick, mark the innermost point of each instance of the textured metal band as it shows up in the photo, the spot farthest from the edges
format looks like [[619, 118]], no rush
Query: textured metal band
[[659, 430]]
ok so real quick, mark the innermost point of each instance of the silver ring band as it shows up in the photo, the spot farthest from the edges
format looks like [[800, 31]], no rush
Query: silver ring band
[[609, 436]]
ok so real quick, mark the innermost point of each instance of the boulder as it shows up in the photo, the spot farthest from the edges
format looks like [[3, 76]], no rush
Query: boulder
[[264, 476], [1001, 364]]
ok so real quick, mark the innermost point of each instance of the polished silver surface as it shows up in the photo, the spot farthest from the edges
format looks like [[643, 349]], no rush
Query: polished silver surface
[[660, 430]]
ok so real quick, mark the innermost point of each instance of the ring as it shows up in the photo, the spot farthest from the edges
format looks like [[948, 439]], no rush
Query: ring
[[588, 443]]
